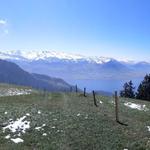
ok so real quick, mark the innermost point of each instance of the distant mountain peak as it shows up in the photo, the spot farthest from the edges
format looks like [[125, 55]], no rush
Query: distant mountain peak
[[51, 55], [74, 66], [47, 55]]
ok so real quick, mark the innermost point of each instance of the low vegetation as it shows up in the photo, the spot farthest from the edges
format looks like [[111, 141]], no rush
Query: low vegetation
[[70, 121]]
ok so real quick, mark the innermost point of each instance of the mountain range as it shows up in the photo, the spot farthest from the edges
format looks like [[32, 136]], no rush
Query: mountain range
[[13, 74], [74, 66]]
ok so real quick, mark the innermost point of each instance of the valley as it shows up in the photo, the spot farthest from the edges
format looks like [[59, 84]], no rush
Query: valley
[[95, 71]]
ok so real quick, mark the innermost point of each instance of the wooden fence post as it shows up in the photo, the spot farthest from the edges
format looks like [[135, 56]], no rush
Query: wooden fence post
[[116, 106], [76, 88], [71, 89], [84, 92], [94, 99]]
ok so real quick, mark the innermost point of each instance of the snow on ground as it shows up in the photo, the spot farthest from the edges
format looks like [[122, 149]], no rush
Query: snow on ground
[[78, 114], [148, 128], [39, 112], [17, 127], [44, 134], [100, 102], [136, 106], [17, 140], [27, 114], [7, 137], [20, 125], [5, 112], [40, 128], [14, 91]]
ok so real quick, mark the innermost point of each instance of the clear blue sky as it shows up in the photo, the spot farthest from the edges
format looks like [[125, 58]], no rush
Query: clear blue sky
[[115, 28]]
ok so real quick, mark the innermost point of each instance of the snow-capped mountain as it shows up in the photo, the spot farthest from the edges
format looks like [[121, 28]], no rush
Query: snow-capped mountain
[[74, 66], [50, 56]]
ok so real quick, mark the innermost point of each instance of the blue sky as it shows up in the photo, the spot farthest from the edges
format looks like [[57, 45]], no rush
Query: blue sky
[[113, 28]]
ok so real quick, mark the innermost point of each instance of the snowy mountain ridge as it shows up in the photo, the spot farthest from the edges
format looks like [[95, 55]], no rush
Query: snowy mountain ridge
[[49, 55], [73, 66]]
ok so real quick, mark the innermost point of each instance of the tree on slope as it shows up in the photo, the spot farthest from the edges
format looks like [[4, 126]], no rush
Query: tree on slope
[[143, 91], [128, 90]]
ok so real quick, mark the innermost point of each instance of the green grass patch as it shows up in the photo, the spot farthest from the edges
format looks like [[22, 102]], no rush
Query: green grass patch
[[72, 122]]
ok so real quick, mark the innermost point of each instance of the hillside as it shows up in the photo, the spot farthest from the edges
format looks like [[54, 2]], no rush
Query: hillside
[[68, 121], [13, 74]]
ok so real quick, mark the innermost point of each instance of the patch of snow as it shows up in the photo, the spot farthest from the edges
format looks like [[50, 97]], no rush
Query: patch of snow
[[136, 106], [43, 125], [7, 137], [39, 112], [40, 128], [44, 134], [14, 91], [19, 134], [18, 125], [5, 112], [78, 114], [17, 140], [148, 128], [27, 114], [100, 102]]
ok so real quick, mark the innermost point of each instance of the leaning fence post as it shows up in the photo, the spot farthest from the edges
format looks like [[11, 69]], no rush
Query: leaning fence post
[[94, 99], [117, 110], [84, 92], [116, 106]]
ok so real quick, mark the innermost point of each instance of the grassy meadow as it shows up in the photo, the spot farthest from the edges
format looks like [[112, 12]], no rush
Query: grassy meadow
[[70, 121]]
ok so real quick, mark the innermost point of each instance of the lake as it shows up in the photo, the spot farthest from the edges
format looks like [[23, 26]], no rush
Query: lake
[[103, 85]]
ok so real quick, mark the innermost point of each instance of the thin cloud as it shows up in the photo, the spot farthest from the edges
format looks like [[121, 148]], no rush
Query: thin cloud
[[3, 27], [3, 22]]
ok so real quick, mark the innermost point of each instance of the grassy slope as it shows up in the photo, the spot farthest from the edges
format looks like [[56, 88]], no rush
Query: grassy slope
[[98, 131]]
